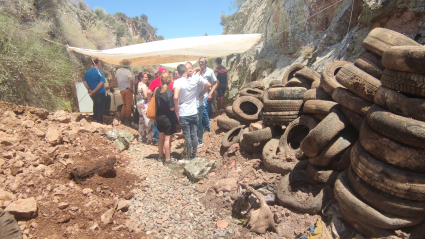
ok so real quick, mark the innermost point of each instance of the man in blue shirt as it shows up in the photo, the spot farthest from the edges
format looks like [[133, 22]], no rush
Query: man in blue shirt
[[93, 81]]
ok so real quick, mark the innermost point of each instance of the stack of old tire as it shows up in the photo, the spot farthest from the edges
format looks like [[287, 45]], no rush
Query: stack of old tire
[[384, 188]]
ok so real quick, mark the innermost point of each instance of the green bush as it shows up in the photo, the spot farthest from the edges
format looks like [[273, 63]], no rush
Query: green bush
[[100, 12], [82, 5]]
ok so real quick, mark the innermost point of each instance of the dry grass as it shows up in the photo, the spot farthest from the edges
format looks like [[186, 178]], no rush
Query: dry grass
[[307, 51]]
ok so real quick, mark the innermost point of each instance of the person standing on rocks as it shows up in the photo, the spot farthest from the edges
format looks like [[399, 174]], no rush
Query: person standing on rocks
[[152, 86], [135, 91], [125, 84], [185, 89], [208, 74], [145, 124], [223, 83], [93, 81]]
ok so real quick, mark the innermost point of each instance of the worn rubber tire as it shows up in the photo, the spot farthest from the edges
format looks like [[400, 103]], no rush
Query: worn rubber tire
[[290, 72], [351, 101], [312, 205], [281, 105], [370, 63], [294, 134], [328, 80], [315, 84], [321, 176], [287, 93], [227, 123], [263, 135], [319, 117], [380, 39], [280, 118], [273, 163], [365, 213], [398, 128], [392, 152], [275, 82], [386, 178], [335, 148], [406, 82], [320, 107], [229, 112], [384, 202], [277, 86], [256, 93], [232, 137], [358, 82], [247, 108], [317, 94], [355, 119], [405, 58], [308, 74], [319, 137], [254, 84], [9, 228], [298, 82], [400, 104], [344, 161], [252, 148]]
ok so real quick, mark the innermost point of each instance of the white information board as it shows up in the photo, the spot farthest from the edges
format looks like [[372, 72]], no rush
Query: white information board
[[85, 103]]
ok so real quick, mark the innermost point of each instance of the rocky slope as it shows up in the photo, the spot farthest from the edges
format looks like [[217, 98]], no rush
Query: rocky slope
[[314, 32]]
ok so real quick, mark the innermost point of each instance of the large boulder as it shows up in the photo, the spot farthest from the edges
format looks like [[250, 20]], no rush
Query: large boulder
[[198, 168]]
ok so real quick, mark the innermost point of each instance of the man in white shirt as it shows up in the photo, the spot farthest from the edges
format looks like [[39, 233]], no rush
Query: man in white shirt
[[125, 84], [185, 89]]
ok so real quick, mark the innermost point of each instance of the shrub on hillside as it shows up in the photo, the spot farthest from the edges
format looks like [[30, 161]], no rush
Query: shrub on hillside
[[100, 12]]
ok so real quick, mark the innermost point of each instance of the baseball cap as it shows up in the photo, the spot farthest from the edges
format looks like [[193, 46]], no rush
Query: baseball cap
[[162, 69]]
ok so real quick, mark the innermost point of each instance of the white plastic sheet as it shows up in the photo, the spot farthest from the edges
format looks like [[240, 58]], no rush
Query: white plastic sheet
[[175, 50]]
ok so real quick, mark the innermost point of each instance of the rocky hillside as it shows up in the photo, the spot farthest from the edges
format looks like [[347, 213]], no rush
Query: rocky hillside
[[39, 73], [314, 32]]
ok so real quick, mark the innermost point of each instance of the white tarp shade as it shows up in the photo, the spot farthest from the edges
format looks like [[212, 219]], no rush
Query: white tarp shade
[[175, 50], [174, 65]]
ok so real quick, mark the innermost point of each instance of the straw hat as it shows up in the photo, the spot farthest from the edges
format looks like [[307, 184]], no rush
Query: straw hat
[[125, 63]]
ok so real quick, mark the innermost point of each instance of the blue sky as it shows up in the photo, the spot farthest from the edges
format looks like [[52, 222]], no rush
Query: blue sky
[[173, 18]]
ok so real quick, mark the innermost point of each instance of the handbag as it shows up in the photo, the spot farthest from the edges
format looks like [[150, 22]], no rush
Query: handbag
[[151, 112]]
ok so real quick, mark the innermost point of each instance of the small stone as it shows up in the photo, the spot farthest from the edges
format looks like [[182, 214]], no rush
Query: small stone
[[123, 205], [62, 116], [28, 123], [34, 225], [255, 126], [178, 197], [23, 208], [226, 185], [129, 195], [119, 228], [106, 218], [64, 219], [95, 226], [38, 132], [198, 168], [87, 191], [53, 136], [63, 205], [222, 224]]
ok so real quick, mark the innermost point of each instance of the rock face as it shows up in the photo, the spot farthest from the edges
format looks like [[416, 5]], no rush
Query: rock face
[[326, 36], [198, 168], [23, 208]]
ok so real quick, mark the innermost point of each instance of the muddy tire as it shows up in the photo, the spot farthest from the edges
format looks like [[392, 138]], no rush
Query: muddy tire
[[315, 84], [328, 80], [256, 93], [398, 128], [317, 94], [263, 135], [400, 104], [386, 178], [358, 82], [227, 123], [294, 134], [281, 105], [319, 137], [355, 119], [335, 148], [392, 152], [370, 63], [308, 74], [405, 58], [320, 107], [405, 82], [298, 82], [229, 112], [296, 179], [290, 72], [351, 101], [290, 93], [321, 176], [232, 137], [9, 228], [273, 162], [275, 82], [363, 212], [246, 109], [319, 117], [251, 148], [280, 118], [380, 39], [254, 84], [384, 202], [344, 161]]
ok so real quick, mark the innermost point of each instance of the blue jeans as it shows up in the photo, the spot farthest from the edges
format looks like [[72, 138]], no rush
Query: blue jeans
[[200, 124], [189, 125], [207, 113], [98, 106], [155, 133]]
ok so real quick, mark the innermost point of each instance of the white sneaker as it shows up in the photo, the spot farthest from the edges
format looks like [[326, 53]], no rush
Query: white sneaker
[[200, 145]]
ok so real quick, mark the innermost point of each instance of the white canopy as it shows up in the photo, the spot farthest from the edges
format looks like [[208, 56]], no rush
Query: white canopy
[[175, 50]]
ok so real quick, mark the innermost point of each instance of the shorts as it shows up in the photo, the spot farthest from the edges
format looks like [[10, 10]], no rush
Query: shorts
[[221, 90], [164, 125]]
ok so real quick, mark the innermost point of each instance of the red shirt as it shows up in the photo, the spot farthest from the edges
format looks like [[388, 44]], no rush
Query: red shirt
[[157, 83]]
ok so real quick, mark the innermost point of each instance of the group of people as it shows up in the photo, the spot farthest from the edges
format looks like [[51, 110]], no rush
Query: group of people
[[182, 97]]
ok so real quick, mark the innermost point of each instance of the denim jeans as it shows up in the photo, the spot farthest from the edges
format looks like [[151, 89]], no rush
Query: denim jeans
[[206, 114], [189, 125], [200, 124], [155, 133], [98, 106]]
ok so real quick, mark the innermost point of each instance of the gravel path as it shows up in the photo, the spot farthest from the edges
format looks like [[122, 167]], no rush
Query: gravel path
[[166, 202]]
